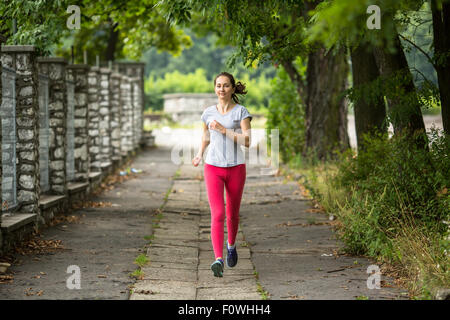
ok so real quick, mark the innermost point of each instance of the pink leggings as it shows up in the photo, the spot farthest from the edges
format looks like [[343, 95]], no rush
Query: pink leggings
[[233, 178]]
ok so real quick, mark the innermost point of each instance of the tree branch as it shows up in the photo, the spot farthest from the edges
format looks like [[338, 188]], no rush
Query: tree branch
[[295, 77], [420, 49]]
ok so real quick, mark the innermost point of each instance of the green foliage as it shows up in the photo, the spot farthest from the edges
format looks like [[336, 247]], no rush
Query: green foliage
[[391, 184], [345, 22], [270, 32], [44, 24], [393, 87], [39, 23], [205, 53], [286, 114], [197, 82]]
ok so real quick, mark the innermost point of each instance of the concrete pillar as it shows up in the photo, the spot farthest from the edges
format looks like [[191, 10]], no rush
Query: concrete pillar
[[1, 198], [79, 74], [23, 60], [105, 116], [94, 119], [126, 129], [115, 116], [133, 114], [136, 70], [136, 94], [55, 69]]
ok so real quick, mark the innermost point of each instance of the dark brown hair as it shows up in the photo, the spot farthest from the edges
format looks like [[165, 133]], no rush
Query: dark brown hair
[[239, 87]]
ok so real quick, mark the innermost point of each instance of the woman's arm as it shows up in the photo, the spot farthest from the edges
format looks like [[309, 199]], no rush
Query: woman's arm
[[243, 138], [204, 144], [205, 140]]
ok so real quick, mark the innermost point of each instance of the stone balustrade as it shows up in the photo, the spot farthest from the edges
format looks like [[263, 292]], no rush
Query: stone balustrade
[[90, 120]]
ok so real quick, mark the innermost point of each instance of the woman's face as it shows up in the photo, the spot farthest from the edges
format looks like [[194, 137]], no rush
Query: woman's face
[[223, 88]]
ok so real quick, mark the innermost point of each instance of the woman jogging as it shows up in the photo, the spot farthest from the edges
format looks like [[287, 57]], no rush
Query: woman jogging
[[226, 126]]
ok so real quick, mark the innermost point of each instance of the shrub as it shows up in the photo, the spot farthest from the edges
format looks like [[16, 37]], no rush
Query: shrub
[[175, 82], [390, 184], [286, 114]]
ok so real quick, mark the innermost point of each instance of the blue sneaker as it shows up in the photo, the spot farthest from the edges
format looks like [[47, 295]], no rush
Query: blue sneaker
[[217, 268], [232, 257]]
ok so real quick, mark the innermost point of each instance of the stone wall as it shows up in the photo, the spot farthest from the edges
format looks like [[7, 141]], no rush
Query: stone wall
[[55, 69], [115, 116], [105, 116], [70, 128], [93, 111], [187, 107], [22, 60], [81, 153], [8, 115], [94, 119], [136, 70], [137, 111], [1, 165], [126, 128]]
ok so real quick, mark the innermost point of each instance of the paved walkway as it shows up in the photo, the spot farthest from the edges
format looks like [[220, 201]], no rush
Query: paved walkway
[[103, 239], [287, 250]]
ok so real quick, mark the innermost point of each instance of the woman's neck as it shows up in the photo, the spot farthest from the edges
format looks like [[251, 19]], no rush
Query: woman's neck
[[225, 105]]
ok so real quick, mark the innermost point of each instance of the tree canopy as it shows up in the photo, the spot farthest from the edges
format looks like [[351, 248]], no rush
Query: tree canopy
[[129, 26]]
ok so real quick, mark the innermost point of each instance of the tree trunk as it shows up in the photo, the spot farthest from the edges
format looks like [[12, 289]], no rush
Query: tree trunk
[[405, 114], [441, 40], [295, 78], [326, 107], [370, 115], [112, 43]]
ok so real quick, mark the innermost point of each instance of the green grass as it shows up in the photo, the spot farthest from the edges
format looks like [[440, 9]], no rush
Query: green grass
[[416, 257], [141, 260], [137, 274], [149, 238], [264, 294], [166, 196]]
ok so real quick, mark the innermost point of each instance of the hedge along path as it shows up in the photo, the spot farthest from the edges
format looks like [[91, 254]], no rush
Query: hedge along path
[[181, 252]]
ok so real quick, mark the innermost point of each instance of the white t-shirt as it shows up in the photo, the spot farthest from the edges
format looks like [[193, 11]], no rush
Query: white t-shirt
[[222, 151]]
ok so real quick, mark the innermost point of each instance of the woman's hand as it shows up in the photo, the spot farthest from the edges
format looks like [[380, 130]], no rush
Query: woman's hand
[[196, 161], [214, 125]]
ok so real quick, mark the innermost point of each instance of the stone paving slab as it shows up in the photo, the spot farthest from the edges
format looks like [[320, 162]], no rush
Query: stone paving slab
[[174, 265], [179, 235], [170, 259], [205, 280], [163, 290], [171, 242], [228, 293], [164, 273], [187, 252]]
